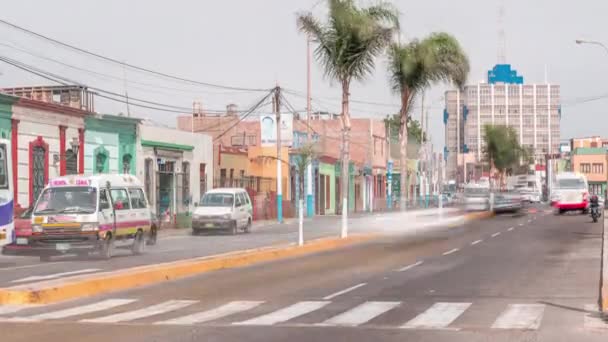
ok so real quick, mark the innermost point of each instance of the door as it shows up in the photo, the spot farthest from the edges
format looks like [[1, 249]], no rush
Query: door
[[122, 209], [106, 214], [240, 208], [38, 171], [322, 196]]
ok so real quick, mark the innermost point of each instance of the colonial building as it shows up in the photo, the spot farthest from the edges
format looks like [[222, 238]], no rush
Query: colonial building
[[110, 144]]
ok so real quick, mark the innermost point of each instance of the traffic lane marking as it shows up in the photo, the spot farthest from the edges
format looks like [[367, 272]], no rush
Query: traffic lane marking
[[495, 234], [476, 242], [451, 251], [409, 267], [339, 293]]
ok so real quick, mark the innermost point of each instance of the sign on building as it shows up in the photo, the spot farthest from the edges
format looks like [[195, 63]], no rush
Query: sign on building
[[268, 130]]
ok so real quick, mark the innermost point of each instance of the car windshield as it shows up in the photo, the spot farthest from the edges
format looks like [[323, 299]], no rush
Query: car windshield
[[571, 183], [61, 200], [3, 168], [217, 200]]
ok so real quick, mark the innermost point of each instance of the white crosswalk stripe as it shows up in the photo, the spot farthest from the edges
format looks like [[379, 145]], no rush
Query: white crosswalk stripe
[[79, 310], [213, 314], [520, 316], [9, 309], [153, 310], [438, 316], [285, 314], [361, 314]]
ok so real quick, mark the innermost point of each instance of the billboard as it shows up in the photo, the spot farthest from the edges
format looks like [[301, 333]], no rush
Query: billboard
[[268, 130]]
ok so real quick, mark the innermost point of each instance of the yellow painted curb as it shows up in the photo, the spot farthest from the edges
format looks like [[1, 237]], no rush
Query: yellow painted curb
[[84, 286], [478, 215]]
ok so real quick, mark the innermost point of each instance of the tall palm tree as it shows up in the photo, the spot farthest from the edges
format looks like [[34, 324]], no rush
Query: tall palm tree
[[415, 66], [347, 44]]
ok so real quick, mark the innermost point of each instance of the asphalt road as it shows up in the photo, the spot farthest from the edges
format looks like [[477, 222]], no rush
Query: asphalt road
[[525, 278], [26, 270]]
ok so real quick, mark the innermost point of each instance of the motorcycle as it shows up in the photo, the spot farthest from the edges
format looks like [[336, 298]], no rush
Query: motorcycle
[[594, 208]]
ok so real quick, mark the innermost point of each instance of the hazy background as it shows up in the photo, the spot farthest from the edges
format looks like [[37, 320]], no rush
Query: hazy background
[[255, 44]]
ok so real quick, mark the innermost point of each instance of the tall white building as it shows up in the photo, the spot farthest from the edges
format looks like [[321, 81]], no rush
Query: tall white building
[[533, 110]]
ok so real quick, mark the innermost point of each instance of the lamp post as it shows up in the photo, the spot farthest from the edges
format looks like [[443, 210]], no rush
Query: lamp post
[[603, 288]]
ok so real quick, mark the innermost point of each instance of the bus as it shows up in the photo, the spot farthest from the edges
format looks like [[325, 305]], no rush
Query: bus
[[6, 194]]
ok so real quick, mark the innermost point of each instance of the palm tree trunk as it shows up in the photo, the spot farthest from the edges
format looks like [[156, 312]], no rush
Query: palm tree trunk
[[403, 149], [344, 191]]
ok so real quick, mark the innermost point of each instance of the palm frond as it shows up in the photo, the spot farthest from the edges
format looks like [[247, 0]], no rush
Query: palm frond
[[384, 11]]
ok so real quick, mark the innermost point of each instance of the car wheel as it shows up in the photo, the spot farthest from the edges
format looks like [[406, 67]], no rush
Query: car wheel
[[107, 248], [138, 243], [248, 227], [234, 229], [153, 236]]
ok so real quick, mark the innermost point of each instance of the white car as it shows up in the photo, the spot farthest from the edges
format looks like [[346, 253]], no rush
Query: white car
[[223, 209]]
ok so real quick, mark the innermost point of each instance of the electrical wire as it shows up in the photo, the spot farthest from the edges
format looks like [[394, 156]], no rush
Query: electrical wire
[[243, 117], [115, 61]]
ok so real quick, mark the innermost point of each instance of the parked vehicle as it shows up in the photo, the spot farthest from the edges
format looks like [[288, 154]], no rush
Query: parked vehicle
[[82, 214], [476, 197], [529, 186], [223, 209], [6, 194], [509, 201], [570, 193], [23, 223]]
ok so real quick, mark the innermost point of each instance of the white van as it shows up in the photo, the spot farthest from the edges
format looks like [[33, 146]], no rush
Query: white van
[[223, 209], [82, 214]]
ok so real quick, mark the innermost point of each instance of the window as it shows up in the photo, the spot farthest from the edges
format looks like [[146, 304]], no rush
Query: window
[[202, 178], [104, 203], [327, 192], [138, 201], [126, 163], [120, 199], [239, 199], [67, 200], [217, 199], [242, 174], [3, 168], [223, 177], [585, 168], [598, 168]]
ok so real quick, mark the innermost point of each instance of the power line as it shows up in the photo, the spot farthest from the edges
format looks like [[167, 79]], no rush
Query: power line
[[246, 114], [66, 81], [115, 61]]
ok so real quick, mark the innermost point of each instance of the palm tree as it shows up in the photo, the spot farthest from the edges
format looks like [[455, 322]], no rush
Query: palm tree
[[415, 66], [347, 46]]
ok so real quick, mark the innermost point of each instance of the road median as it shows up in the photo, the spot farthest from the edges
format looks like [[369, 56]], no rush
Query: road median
[[84, 286]]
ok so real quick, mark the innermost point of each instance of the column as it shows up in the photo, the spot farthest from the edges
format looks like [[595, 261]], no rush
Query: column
[[62, 156], [81, 150], [15, 160]]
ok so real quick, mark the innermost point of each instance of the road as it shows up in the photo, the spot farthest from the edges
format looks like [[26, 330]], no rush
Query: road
[[25, 270], [522, 278]]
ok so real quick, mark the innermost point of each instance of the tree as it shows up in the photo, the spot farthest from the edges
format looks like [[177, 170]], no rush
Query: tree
[[347, 45], [413, 127], [502, 150], [415, 66], [306, 154]]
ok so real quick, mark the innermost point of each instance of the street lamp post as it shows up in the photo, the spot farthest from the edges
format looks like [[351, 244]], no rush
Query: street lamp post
[[603, 293]]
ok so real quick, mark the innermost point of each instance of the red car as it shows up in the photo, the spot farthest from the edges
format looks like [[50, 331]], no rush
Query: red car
[[23, 223]]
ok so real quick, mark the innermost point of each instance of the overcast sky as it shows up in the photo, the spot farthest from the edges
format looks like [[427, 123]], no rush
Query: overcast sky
[[255, 44]]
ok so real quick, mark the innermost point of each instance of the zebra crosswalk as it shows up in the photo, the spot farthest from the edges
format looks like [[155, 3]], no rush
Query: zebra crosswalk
[[324, 313]]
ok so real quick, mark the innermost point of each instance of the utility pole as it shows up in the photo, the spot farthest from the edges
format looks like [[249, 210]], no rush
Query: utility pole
[[277, 111], [309, 201]]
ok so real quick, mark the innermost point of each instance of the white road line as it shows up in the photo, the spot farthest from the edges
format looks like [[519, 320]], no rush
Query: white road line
[[31, 266], [438, 316], [520, 316], [510, 229], [451, 251], [593, 319], [529, 221], [9, 309], [476, 242], [213, 314], [79, 310], [153, 310], [285, 314], [361, 314], [55, 275], [409, 267], [495, 234], [521, 224], [339, 293]]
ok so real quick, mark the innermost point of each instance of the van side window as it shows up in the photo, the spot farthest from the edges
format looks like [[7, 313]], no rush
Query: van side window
[[246, 197], [104, 203], [120, 199], [138, 201], [239, 200]]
